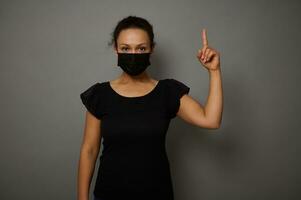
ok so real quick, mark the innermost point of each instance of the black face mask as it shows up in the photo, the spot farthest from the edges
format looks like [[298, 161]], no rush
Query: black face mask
[[133, 63]]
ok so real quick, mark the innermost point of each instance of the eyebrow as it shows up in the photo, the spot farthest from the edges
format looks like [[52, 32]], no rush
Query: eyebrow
[[128, 44]]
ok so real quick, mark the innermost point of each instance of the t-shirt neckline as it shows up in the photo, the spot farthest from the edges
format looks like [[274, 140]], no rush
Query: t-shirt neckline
[[135, 97]]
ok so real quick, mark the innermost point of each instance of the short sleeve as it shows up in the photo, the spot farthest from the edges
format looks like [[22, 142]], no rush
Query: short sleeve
[[176, 89], [92, 99]]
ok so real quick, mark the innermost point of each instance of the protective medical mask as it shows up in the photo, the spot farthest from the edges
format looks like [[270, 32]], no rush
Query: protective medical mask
[[133, 63]]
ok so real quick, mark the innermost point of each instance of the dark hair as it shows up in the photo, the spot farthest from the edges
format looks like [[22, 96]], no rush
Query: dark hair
[[133, 22]]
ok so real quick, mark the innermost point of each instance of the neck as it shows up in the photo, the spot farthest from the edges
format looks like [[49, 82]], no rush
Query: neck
[[124, 77]]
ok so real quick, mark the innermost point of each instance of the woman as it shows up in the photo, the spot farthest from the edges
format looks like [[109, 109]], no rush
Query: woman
[[132, 115]]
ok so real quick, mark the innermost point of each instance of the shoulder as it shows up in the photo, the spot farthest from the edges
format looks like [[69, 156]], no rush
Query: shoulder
[[95, 90], [175, 90], [93, 97], [97, 86], [176, 85], [172, 81]]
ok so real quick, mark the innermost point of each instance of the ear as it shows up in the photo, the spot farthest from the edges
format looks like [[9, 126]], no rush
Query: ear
[[115, 50], [152, 50]]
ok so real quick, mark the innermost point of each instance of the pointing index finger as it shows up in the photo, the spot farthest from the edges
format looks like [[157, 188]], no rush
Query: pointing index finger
[[204, 37]]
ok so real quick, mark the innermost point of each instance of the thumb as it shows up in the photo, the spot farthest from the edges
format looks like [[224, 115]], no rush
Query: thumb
[[200, 53]]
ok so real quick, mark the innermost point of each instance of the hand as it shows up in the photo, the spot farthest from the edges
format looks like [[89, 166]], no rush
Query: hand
[[207, 55]]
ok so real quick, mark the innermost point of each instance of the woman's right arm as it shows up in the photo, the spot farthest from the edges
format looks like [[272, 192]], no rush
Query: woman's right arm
[[88, 155]]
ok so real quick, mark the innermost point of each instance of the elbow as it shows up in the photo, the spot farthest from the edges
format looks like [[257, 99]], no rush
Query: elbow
[[214, 126], [217, 126], [213, 122], [90, 151], [209, 123]]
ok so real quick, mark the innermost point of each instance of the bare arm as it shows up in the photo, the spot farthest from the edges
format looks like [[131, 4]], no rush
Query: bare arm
[[88, 155], [214, 105], [210, 115]]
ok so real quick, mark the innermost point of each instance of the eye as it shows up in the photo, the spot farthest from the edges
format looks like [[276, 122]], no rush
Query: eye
[[123, 48], [143, 48]]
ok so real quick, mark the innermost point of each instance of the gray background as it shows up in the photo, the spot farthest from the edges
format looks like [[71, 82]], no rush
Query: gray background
[[53, 50]]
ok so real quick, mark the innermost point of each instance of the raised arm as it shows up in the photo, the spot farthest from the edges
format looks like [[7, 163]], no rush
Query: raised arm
[[209, 115]]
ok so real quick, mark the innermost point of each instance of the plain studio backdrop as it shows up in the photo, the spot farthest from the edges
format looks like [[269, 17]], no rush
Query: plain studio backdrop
[[51, 51]]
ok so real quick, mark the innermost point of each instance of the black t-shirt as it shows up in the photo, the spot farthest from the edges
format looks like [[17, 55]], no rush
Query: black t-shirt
[[134, 162]]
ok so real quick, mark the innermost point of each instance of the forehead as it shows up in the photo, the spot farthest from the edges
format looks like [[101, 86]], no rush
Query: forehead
[[133, 36]]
